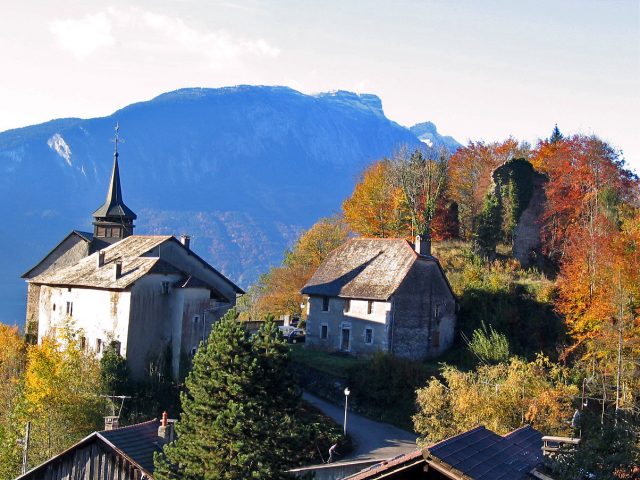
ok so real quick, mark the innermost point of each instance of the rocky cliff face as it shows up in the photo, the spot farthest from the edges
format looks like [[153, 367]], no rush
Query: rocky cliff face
[[242, 170]]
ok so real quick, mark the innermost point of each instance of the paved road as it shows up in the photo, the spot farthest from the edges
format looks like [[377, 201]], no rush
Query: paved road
[[373, 440]]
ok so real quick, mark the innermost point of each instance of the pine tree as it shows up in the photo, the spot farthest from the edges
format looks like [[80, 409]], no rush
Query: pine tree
[[236, 411], [556, 135]]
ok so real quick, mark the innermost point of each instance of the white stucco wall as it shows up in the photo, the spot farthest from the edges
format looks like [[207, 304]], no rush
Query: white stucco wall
[[99, 314]]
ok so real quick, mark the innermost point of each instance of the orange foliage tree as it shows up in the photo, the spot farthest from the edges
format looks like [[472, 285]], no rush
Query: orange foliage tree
[[280, 288], [470, 171], [376, 207]]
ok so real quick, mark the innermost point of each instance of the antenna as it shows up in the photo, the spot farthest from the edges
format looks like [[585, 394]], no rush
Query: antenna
[[113, 398]]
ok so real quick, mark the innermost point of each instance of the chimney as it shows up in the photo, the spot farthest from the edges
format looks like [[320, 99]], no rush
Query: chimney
[[100, 258], [117, 269], [111, 423], [165, 431], [423, 245], [185, 240]]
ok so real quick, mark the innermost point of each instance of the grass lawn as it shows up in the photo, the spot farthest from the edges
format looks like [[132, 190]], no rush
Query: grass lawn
[[331, 363]]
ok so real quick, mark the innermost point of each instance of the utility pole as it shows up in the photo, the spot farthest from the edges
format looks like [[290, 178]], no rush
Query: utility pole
[[25, 448]]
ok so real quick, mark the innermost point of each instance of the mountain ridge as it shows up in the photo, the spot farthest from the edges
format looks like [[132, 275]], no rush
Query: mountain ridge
[[242, 169]]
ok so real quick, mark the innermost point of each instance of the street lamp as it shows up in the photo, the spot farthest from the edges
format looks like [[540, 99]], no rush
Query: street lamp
[[346, 402]]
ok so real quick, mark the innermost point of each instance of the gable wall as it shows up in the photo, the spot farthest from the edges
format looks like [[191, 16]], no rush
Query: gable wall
[[73, 249], [417, 333], [176, 255]]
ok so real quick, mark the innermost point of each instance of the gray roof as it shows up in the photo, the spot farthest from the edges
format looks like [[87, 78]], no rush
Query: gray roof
[[114, 205], [483, 455], [368, 268], [137, 442], [129, 251]]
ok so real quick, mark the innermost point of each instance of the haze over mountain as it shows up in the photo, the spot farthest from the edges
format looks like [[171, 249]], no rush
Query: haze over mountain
[[241, 169]]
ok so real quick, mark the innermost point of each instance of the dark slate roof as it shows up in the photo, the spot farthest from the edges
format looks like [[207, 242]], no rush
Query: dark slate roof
[[137, 442], [367, 268], [483, 455], [114, 205]]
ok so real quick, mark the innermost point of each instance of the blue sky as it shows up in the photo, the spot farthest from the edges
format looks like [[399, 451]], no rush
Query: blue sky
[[478, 69]]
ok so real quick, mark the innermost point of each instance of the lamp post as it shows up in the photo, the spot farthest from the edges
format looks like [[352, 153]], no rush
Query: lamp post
[[346, 402]]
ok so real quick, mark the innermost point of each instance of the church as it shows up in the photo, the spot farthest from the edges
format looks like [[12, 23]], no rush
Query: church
[[150, 296]]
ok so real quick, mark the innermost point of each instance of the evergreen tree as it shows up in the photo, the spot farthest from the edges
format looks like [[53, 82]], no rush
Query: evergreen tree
[[556, 135], [489, 226], [237, 409]]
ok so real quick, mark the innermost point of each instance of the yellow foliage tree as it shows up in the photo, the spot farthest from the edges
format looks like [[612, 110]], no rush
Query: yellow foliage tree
[[501, 397], [12, 364], [61, 394]]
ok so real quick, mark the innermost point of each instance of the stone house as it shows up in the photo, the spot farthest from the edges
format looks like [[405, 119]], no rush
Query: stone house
[[150, 296], [379, 294]]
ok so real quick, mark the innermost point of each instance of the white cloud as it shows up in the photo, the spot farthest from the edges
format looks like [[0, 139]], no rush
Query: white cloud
[[147, 31], [83, 36]]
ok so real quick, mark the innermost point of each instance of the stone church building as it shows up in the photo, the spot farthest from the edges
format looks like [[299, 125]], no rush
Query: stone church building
[[150, 296], [381, 294]]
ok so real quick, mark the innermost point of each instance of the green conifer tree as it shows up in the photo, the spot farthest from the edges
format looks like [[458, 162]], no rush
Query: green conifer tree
[[556, 135], [489, 223], [235, 422]]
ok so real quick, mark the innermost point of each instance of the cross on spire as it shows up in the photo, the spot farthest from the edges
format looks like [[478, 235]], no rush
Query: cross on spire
[[117, 138]]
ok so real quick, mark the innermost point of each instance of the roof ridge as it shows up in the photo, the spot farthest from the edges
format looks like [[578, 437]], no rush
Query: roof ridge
[[119, 429]]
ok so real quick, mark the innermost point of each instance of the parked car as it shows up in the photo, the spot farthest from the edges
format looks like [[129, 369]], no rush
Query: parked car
[[297, 335]]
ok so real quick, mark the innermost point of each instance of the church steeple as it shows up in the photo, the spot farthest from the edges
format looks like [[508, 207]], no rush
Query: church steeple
[[113, 221]]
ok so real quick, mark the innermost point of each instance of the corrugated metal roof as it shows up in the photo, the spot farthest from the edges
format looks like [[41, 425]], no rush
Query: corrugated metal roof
[[368, 268], [137, 442]]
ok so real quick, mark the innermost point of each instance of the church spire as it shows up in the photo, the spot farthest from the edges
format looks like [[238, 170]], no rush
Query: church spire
[[114, 220]]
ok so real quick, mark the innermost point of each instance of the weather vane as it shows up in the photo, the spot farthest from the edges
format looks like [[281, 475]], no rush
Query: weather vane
[[117, 138]]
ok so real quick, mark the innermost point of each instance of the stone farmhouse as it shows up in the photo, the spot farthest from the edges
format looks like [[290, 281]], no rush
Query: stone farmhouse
[[150, 296], [378, 294]]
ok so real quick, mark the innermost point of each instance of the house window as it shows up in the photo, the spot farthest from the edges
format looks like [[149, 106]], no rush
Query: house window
[[100, 232], [98, 345], [116, 346], [83, 343], [324, 332], [368, 335], [435, 339], [196, 319], [369, 307], [345, 340], [325, 304], [165, 288], [193, 352], [347, 305], [436, 311], [70, 309], [54, 307]]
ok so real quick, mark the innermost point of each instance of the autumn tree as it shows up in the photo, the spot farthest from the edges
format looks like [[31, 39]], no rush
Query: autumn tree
[[421, 177], [502, 397], [470, 170], [376, 207], [61, 394], [280, 292], [12, 365]]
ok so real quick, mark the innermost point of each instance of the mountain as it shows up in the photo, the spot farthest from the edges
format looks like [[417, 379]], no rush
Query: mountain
[[241, 169], [428, 133]]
